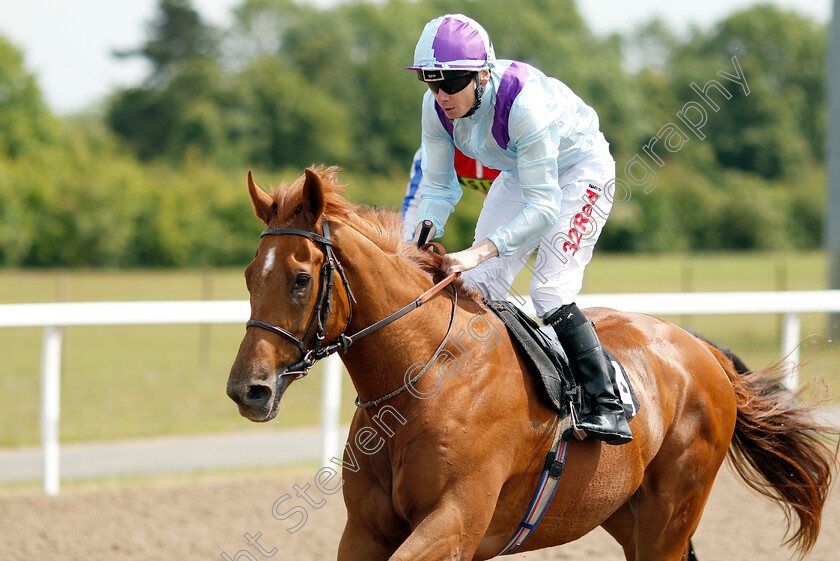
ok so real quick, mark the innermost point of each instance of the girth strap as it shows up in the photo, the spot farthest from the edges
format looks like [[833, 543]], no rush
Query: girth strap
[[555, 463]]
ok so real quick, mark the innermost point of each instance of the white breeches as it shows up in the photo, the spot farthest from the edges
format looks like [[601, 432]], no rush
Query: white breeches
[[564, 251]]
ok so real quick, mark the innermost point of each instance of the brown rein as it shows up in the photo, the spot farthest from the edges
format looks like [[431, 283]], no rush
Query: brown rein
[[422, 299]]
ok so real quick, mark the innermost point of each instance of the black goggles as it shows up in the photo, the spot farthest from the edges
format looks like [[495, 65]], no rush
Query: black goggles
[[450, 81]]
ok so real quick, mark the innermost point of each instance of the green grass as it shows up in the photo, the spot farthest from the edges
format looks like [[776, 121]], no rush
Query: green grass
[[120, 382], [131, 381]]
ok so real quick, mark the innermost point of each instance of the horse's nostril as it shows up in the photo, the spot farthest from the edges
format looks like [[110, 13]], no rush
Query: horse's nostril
[[258, 394]]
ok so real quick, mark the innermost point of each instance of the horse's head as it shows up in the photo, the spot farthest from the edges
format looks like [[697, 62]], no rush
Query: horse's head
[[293, 304]]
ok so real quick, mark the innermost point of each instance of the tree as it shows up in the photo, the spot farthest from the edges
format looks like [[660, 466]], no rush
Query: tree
[[177, 37], [27, 129], [355, 55], [779, 128], [25, 121], [181, 106], [289, 121]]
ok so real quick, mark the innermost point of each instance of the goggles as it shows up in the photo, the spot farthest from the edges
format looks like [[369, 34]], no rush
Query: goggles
[[450, 81]]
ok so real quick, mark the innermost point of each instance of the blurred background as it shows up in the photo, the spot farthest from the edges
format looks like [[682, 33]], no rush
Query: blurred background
[[127, 129]]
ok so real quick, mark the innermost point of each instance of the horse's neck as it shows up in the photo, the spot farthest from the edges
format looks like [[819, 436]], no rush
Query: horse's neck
[[383, 284]]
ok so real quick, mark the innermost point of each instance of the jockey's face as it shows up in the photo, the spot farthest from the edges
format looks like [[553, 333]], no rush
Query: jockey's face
[[457, 105]]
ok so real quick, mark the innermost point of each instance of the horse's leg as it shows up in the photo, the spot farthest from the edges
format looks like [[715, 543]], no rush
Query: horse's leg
[[667, 515], [696, 420], [358, 545], [452, 532], [373, 530], [678, 481], [621, 526], [657, 522]]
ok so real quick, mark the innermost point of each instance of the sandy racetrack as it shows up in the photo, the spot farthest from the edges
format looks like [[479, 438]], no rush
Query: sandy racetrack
[[209, 517]]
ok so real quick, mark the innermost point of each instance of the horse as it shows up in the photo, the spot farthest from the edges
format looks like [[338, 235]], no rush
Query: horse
[[442, 464]]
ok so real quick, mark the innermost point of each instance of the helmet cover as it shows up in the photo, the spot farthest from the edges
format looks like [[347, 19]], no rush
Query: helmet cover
[[453, 42]]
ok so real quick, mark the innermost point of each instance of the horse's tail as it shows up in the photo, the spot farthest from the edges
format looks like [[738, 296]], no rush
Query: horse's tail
[[779, 448]]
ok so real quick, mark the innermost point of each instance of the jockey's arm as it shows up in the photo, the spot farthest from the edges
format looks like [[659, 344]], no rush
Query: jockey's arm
[[538, 178], [441, 190]]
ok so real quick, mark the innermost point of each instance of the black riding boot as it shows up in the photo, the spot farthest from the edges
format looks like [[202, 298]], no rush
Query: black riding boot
[[579, 340]]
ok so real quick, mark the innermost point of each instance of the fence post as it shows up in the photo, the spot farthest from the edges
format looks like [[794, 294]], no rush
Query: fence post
[[330, 407], [50, 406], [791, 328]]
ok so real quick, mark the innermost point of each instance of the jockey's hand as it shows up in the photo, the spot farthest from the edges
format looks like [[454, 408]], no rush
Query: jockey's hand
[[467, 259]]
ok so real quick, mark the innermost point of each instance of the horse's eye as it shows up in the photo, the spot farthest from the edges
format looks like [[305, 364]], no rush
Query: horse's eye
[[302, 280]]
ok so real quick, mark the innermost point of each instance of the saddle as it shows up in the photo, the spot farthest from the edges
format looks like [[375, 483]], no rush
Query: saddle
[[547, 360]]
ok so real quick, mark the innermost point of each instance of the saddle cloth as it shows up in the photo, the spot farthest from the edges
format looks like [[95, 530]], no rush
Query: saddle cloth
[[547, 360]]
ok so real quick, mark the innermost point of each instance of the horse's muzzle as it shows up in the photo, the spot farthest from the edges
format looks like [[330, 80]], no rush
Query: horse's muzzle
[[258, 401]]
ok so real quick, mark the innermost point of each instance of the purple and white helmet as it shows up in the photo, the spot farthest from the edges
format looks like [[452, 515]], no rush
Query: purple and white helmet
[[449, 43]]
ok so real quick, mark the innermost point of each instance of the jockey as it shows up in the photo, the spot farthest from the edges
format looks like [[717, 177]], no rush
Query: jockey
[[550, 195], [470, 174]]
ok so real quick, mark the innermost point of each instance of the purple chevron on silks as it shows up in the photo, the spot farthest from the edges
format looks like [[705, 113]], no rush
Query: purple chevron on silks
[[513, 80]]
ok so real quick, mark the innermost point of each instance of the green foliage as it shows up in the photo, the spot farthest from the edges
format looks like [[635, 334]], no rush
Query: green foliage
[[177, 38], [88, 203], [778, 130], [158, 179], [354, 54], [25, 122], [755, 180], [289, 120], [732, 210]]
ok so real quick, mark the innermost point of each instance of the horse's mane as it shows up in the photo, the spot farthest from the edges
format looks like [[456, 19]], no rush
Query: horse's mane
[[382, 226]]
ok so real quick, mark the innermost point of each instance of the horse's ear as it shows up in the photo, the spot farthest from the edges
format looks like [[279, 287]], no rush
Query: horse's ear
[[313, 196], [264, 204]]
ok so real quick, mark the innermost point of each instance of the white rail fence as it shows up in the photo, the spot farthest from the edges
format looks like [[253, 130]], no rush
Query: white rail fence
[[54, 317]]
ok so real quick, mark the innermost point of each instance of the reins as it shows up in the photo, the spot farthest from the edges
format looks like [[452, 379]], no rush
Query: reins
[[422, 299], [410, 383], [323, 306]]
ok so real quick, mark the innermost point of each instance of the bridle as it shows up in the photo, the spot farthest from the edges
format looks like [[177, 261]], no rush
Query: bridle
[[323, 307]]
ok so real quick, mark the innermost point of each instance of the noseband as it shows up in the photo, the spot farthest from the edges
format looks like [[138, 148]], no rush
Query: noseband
[[323, 307]]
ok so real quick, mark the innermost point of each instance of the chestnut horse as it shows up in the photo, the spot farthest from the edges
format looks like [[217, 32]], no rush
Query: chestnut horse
[[447, 468]]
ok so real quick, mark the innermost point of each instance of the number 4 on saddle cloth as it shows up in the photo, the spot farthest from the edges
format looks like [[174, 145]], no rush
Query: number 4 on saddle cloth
[[547, 360]]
